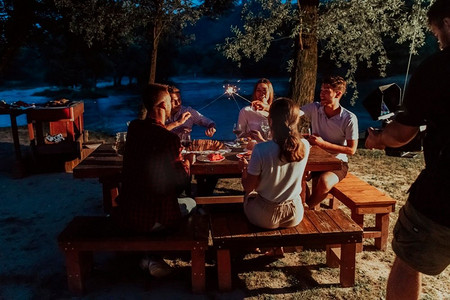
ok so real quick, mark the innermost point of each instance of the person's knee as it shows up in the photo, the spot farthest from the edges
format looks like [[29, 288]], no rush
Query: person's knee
[[187, 205], [326, 182]]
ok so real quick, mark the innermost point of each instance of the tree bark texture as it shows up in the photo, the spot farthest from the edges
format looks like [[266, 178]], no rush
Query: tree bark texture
[[304, 73]]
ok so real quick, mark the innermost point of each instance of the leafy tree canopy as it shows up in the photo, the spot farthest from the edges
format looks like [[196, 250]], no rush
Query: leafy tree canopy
[[349, 32]]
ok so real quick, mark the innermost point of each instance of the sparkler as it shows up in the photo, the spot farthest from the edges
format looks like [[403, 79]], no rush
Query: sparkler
[[230, 90]]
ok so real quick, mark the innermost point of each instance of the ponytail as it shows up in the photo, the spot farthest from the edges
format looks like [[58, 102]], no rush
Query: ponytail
[[285, 115]]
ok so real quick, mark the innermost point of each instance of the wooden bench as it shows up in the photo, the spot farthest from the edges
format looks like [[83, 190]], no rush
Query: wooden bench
[[330, 228], [362, 199], [87, 234]]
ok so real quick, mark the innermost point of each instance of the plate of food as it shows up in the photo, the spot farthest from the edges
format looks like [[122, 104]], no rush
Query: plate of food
[[212, 157], [247, 155], [205, 145]]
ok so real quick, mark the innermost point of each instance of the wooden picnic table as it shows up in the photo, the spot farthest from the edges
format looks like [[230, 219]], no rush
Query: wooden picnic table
[[104, 163], [19, 168]]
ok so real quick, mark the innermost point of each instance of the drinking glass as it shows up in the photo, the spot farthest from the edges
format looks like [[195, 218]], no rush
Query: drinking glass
[[237, 130], [305, 132], [265, 128], [186, 140], [119, 144]]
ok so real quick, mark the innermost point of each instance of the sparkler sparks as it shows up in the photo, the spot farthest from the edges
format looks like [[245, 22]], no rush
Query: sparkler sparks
[[230, 89]]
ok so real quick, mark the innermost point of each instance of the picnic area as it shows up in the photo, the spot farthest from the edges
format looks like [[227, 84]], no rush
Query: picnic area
[[42, 203]]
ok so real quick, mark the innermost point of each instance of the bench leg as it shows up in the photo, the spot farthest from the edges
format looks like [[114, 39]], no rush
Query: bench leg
[[382, 225], [348, 260], [77, 264], [198, 269], [359, 219], [224, 269], [333, 255]]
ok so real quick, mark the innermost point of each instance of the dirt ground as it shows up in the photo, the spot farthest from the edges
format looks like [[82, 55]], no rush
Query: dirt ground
[[34, 209]]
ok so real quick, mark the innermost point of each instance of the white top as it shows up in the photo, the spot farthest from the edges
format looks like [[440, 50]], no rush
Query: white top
[[337, 129], [279, 181], [250, 119]]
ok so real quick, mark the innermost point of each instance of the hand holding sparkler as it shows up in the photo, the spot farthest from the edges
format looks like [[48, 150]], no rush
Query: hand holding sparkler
[[260, 104]]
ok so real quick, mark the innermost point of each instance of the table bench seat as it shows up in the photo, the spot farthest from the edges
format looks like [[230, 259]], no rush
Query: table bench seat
[[330, 228], [87, 234], [362, 198]]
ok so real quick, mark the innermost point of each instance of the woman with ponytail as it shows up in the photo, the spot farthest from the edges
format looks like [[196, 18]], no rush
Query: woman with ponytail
[[272, 179]]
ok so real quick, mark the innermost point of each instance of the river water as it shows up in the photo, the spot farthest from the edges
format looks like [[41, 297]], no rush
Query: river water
[[111, 114]]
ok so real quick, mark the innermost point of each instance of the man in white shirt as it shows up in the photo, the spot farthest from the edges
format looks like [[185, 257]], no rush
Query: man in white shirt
[[334, 129]]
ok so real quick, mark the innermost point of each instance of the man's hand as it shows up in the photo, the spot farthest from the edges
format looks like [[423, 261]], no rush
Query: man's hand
[[373, 140], [210, 131], [184, 117], [315, 140]]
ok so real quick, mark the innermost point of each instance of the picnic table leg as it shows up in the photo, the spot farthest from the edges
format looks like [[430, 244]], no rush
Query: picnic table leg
[[198, 269], [382, 225], [19, 168], [348, 260], [110, 193], [224, 269], [77, 263], [359, 219]]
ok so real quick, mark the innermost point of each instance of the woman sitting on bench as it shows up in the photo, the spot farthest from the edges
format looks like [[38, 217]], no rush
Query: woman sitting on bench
[[271, 178]]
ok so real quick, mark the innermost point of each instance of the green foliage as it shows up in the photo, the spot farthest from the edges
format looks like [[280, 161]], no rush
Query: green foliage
[[264, 24], [350, 32]]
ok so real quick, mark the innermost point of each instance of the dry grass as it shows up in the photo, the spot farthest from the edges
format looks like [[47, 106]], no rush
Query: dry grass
[[303, 275]]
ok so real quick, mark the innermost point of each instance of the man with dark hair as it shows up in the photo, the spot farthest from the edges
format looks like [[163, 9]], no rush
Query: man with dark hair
[[183, 117], [422, 232], [154, 173], [334, 129]]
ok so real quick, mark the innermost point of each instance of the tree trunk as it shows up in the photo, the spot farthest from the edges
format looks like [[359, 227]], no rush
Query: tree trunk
[[304, 72], [153, 60]]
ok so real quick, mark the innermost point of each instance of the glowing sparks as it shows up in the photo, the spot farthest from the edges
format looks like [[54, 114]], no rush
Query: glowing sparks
[[230, 89]]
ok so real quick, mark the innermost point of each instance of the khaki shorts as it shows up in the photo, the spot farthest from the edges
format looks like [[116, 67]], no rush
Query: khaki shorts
[[423, 244], [267, 214], [341, 173]]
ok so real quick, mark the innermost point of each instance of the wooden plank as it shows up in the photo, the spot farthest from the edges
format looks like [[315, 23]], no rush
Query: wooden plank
[[219, 199], [342, 220], [323, 222], [224, 269], [306, 226], [219, 227], [240, 227]]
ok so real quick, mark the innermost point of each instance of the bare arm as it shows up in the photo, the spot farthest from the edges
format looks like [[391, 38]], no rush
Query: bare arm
[[349, 149], [184, 117], [249, 182], [393, 135]]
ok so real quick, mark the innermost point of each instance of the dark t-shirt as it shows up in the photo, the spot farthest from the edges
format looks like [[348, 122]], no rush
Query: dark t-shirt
[[152, 177], [427, 102]]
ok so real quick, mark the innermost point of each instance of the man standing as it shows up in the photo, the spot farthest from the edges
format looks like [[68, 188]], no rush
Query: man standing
[[422, 232], [334, 129], [154, 173]]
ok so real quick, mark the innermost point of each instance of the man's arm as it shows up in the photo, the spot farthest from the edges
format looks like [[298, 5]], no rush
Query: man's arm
[[393, 135], [183, 118], [349, 149]]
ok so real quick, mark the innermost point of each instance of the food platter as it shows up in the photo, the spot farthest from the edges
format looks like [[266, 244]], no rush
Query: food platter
[[247, 155], [204, 158]]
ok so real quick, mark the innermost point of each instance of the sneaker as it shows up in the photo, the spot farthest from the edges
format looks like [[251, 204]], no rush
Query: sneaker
[[156, 267]]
